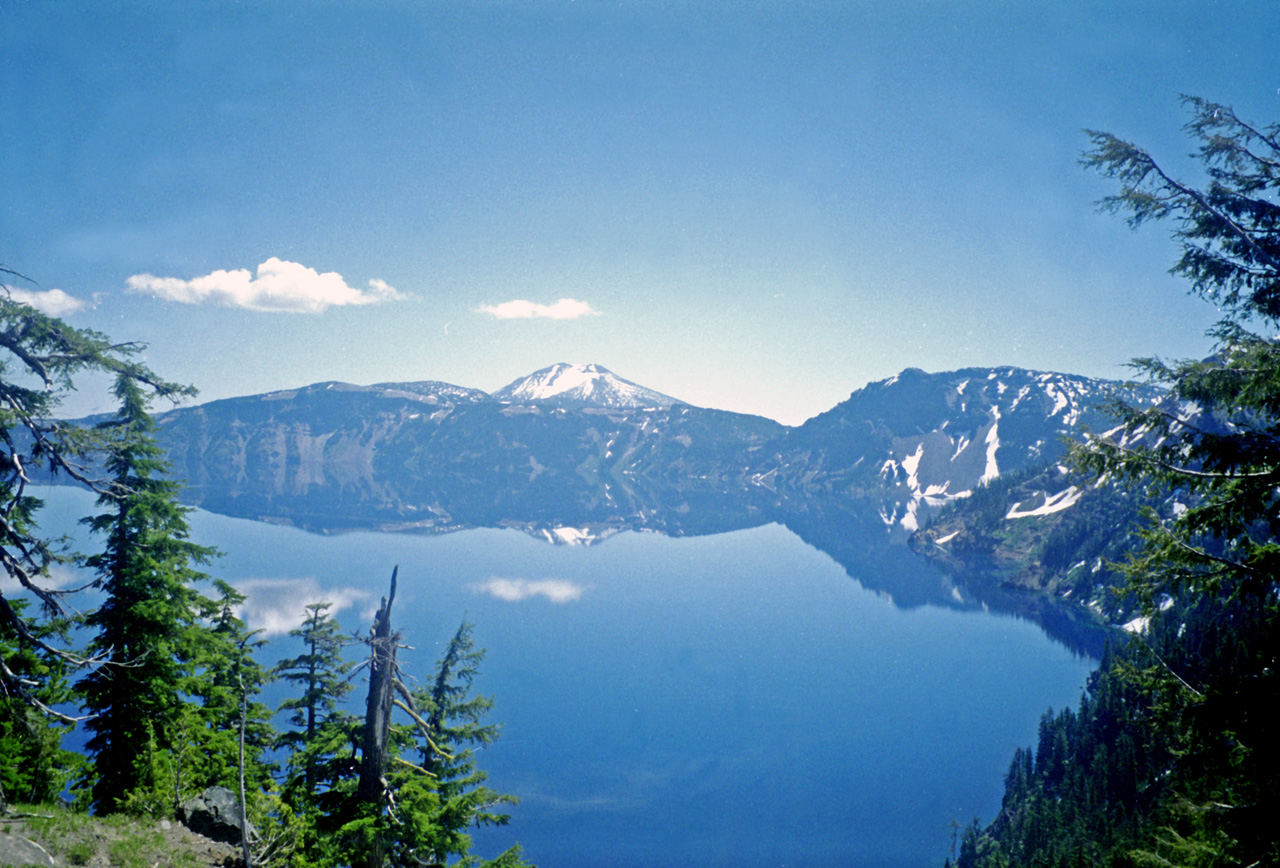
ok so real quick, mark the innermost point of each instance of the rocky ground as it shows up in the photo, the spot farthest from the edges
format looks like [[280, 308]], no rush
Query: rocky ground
[[56, 837]]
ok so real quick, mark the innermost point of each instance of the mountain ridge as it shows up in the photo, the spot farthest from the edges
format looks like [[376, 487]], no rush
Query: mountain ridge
[[431, 454]]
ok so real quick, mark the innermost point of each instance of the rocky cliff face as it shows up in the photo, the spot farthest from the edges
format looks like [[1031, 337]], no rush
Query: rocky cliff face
[[438, 457]]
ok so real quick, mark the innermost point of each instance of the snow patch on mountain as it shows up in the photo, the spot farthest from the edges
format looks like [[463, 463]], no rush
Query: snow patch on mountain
[[993, 445], [1053, 503], [581, 386], [911, 464], [936, 437]]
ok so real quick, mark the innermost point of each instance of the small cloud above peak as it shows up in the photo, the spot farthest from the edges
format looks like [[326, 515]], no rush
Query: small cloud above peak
[[280, 286], [565, 308]]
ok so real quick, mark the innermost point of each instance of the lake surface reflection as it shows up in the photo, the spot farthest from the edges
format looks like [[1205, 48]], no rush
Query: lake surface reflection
[[725, 700]]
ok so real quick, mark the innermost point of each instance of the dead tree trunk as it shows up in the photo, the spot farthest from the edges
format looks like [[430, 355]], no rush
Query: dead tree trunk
[[372, 790]]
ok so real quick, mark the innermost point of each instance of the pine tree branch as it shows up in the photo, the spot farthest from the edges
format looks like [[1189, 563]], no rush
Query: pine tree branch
[[414, 766], [1144, 456], [1199, 199], [1232, 118], [1201, 553]]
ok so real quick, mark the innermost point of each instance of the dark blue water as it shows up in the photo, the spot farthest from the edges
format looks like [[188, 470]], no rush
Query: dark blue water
[[731, 700]]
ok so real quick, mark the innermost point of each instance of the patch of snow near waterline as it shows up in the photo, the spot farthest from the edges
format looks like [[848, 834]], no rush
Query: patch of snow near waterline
[[948, 538], [909, 522], [993, 443], [572, 535], [1056, 503], [1137, 625]]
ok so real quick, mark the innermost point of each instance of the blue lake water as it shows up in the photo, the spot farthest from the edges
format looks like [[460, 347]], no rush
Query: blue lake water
[[727, 700]]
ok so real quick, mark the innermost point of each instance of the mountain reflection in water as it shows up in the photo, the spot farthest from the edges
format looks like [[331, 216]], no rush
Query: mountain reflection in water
[[850, 532]]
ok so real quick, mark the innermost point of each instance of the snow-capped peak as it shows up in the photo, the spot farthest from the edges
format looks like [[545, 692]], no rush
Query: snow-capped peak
[[581, 385]]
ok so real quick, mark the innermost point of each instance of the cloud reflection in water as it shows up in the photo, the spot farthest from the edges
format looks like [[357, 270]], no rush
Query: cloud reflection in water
[[557, 591]]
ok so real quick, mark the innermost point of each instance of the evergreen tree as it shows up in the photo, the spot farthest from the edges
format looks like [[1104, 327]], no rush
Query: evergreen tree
[[1218, 439], [146, 623], [228, 675], [33, 765], [40, 359], [454, 729], [1171, 759], [320, 730], [1218, 442]]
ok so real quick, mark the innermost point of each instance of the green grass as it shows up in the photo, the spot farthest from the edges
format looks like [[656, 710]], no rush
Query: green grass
[[118, 841]]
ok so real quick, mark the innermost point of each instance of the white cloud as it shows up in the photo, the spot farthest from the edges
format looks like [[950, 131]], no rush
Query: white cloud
[[565, 308], [54, 302], [276, 606], [280, 287], [515, 590]]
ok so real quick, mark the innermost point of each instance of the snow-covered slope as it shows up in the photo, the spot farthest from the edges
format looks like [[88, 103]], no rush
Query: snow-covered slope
[[581, 386], [933, 438]]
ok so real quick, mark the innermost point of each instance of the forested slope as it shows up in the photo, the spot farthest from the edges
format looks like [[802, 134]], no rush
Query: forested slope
[[1170, 759]]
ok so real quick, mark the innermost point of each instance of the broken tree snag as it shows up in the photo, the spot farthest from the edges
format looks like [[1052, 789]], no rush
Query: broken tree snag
[[382, 643], [377, 720]]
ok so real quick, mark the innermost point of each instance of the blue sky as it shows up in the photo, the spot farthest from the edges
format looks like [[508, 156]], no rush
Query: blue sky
[[753, 206]]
